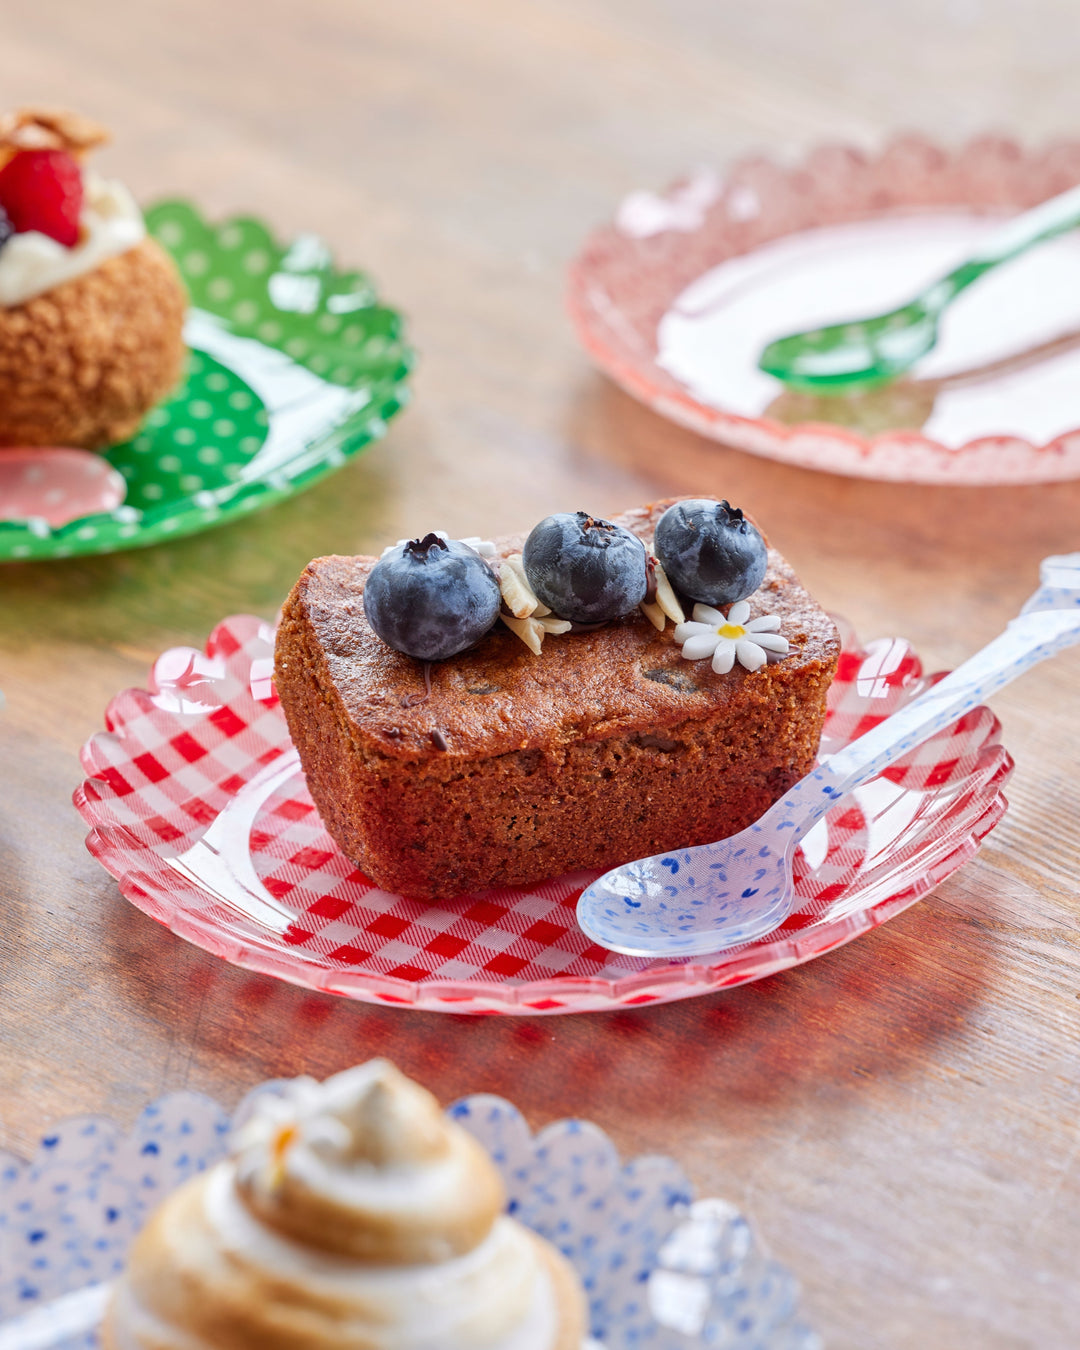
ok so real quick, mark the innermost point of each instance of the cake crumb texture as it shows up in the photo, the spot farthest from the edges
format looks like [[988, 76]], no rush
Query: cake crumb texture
[[82, 364]]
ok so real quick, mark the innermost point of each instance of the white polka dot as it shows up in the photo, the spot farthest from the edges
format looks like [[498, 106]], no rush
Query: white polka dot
[[20, 551], [191, 482], [196, 264], [247, 311], [167, 526], [142, 444], [269, 331], [319, 362], [199, 407], [297, 346], [342, 375], [184, 436], [261, 419], [170, 463], [232, 472], [240, 400], [230, 236], [216, 382], [220, 288], [250, 445], [170, 232], [258, 260], [328, 323], [86, 532], [128, 531], [375, 346], [157, 418], [208, 454], [352, 336], [224, 428]]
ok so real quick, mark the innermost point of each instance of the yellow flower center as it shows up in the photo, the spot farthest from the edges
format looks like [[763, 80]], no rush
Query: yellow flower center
[[732, 630]]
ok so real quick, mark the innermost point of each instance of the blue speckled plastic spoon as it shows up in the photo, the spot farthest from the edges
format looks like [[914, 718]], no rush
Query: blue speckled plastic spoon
[[721, 895]]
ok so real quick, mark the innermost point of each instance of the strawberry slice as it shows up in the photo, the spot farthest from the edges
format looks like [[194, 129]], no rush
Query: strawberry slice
[[43, 190]]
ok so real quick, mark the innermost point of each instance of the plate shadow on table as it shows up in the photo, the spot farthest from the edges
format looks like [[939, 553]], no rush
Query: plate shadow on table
[[875, 1010]]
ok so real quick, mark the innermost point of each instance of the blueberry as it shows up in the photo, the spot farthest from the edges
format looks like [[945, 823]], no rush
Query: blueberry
[[6, 227], [586, 570], [431, 598], [710, 551]]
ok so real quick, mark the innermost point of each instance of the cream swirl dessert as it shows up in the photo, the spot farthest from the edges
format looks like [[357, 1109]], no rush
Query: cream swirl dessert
[[32, 263], [352, 1215]]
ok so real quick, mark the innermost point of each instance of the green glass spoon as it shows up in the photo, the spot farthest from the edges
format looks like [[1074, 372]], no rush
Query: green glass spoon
[[861, 353]]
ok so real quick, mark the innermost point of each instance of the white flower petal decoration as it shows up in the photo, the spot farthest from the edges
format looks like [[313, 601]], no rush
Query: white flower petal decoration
[[731, 637]]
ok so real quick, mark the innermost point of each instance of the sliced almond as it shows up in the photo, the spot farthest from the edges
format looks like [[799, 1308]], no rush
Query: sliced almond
[[50, 129], [666, 599], [654, 614], [532, 631], [517, 594]]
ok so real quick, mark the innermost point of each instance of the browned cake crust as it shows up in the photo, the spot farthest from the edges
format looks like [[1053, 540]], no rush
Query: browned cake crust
[[83, 364], [608, 746]]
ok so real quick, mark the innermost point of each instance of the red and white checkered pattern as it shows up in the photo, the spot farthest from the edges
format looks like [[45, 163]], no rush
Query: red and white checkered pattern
[[198, 807]]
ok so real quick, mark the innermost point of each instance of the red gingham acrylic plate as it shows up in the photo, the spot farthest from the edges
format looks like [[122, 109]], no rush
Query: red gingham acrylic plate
[[197, 805]]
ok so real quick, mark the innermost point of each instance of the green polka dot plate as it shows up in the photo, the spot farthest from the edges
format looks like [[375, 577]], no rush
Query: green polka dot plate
[[293, 367]]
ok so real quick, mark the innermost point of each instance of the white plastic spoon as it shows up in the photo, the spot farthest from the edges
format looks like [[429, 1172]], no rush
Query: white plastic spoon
[[716, 896]]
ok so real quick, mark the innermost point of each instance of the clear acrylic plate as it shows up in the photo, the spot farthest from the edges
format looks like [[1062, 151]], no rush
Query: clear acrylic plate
[[197, 805]]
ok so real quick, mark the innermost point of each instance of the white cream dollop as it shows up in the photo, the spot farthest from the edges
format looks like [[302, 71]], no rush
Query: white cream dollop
[[31, 263]]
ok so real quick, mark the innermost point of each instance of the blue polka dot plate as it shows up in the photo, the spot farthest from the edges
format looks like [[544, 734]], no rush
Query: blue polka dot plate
[[293, 368], [661, 1270]]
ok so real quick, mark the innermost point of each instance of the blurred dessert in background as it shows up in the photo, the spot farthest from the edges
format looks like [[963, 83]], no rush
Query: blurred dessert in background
[[352, 1213], [91, 309]]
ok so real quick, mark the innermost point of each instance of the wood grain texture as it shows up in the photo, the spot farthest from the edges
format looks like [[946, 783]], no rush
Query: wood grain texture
[[900, 1118]]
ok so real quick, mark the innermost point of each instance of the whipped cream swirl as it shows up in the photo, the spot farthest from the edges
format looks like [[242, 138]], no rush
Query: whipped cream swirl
[[32, 263]]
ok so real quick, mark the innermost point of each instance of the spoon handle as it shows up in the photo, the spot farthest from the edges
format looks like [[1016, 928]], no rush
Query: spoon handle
[[1029, 639], [1043, 223]]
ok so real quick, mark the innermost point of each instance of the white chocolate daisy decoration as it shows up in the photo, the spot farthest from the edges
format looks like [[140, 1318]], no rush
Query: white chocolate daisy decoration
[[735, 637]]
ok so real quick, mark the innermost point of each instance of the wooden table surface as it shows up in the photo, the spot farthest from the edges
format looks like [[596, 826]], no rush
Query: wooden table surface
[[899, 1118]]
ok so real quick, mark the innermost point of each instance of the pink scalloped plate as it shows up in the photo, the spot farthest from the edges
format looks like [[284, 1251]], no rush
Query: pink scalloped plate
[[676, 298], [197, 806]]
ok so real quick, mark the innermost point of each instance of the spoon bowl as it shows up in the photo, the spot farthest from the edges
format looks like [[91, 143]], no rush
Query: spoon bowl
[[846, 358]]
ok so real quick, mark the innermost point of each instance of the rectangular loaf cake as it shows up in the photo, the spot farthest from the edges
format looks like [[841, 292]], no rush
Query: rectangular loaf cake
[[514, 767]]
